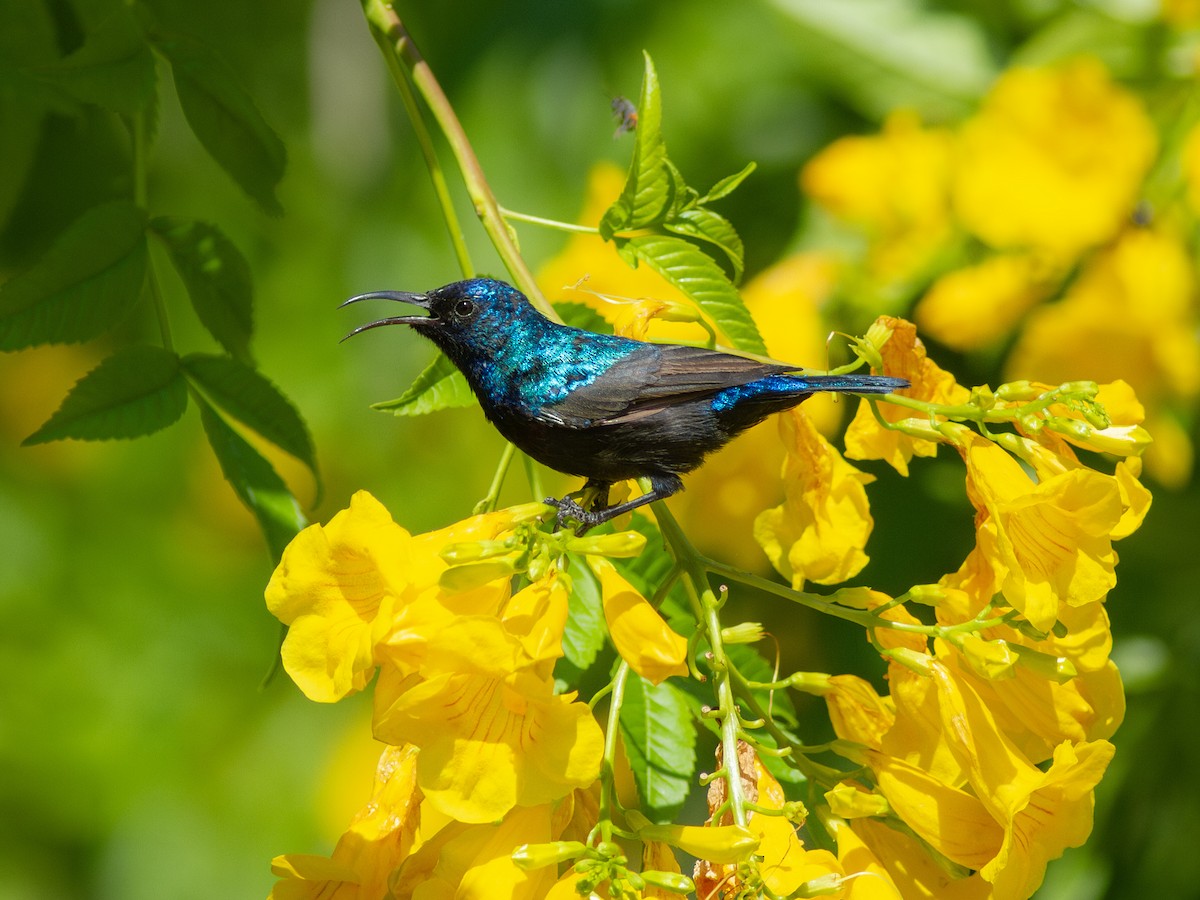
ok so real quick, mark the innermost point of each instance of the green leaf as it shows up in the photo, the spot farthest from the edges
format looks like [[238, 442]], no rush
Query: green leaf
[[83, 285], [884, 54], [706, 225], [114, 68], [583, 638], [255, 481], [217, 279], [728, 184], [440, 386], [225, 119], [660, 742], [700, 278], [249, 397], [135, 392], [648, 191]]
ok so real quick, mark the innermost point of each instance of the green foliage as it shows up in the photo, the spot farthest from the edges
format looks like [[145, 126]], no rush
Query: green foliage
[[225, 119], [440, 386], [583, 638], [88, 280], [657, 203], [660, 744], [135, 392], [217, 279]]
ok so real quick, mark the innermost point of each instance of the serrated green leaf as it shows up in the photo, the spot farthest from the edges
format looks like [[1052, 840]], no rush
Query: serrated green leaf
[[728, 184], [254, 480], [885, 54], [83, 285], [440, 386], [135, 392], [705, 225], [247, 396], [580, 315], [700, 278], [583, 637], [648, 193], [217, 278], [114, 68], [660, 743], [225, 119]]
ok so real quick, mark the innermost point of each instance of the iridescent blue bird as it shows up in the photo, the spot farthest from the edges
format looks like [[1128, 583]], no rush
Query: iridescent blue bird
[[605, 407]]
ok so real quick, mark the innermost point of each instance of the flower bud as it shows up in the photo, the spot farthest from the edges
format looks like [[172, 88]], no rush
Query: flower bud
[[675, 882], [720, 844], [476, 574], [927, 594], [537, 856], [621, 544], [849, 802], [992, 660], [822, 886], [1058, 669], [743, 633], [911, 659], [471, 551], [1019, 391]]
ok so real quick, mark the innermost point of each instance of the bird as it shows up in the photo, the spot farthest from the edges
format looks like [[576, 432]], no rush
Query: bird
[[604, 407]]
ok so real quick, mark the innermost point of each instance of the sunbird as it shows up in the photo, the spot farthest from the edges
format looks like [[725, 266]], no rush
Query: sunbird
[[600, 406]]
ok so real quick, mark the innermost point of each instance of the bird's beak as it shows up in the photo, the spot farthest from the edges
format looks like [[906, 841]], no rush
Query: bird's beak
[[420, 300]]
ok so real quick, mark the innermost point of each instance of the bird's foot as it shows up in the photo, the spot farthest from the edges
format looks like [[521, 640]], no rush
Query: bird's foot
[[570, 510]]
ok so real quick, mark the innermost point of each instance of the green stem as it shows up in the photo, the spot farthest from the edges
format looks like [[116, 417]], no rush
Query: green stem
[[425, 141], [607, 767], [488, 503], [707, 607], [548, 223], [395, 39]]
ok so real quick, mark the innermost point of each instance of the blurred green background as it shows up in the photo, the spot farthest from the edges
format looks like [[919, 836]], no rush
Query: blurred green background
[[139, 756]]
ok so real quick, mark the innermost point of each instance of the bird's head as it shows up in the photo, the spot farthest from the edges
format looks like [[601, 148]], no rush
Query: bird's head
[[463, 313]]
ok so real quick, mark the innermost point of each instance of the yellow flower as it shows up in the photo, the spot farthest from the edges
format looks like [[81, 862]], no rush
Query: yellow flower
[[637, 631], [916, 874], [1054, 160], [857, 712], [1190, 159], [894, 185], [347, 587], [1048, 543], [971, 307], [819, 532], [872, 880], [1129, 316], [337, 587], [379, 839], [475, 860], [492, 732], [903, 356]]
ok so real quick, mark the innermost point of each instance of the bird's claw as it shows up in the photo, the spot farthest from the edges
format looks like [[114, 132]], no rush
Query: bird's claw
[[570, 510]]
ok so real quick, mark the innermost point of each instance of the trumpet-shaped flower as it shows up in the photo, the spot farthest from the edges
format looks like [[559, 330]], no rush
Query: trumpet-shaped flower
[[974, 306], [904, 356], [379, 839], [492, 733], [819, 532], [1054, 159], [638, 632], [1048, 543]]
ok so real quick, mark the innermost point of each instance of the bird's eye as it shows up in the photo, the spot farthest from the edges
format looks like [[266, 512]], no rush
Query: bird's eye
[[464, 308]]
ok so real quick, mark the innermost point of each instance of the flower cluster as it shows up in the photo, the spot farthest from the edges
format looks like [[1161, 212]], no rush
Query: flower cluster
[[483, 753], [1058, 188]]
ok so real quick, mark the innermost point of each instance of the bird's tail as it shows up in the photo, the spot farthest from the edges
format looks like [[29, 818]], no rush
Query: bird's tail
[[854, 384]]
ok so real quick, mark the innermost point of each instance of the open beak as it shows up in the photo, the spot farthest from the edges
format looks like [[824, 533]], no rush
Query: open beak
[[420, 300]]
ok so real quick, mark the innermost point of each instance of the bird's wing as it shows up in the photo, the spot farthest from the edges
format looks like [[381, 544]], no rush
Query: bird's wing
[[653, 377]]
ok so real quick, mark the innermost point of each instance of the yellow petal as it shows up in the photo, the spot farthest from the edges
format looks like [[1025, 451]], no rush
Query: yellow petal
[[639, 633]]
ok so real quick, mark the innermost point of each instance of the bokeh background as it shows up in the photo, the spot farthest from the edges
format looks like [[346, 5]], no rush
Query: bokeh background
[[140, 755]]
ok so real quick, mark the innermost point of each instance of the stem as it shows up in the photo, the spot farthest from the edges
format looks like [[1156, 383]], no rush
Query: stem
[[436, 175], [708, 606], [395, 39], [607, 770], [488, 503], [548, 223]]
